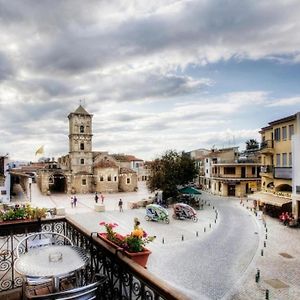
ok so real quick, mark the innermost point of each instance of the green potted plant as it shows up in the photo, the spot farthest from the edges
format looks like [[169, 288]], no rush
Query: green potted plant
[[39, 213], [23, 213], [132, 245]]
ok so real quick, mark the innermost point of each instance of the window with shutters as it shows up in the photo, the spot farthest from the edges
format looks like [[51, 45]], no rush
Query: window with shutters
[[277, 134]]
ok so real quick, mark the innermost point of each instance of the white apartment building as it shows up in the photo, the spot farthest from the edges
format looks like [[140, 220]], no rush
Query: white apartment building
[[4, 180]]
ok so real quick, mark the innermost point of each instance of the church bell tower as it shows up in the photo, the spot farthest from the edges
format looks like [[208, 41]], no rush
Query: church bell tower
[[80, 141]]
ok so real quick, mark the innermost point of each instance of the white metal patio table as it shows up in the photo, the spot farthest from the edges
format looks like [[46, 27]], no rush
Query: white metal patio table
[[53, 261]]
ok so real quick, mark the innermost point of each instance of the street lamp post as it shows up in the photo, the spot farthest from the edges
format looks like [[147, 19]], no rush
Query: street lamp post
[[30, 182]]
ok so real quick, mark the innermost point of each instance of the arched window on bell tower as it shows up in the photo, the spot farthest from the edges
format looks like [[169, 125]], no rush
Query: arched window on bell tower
[[81, 129], [81, 146]]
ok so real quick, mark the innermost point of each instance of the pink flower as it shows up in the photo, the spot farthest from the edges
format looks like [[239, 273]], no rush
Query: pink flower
[[111, 225], [102, 223], [145, 234]]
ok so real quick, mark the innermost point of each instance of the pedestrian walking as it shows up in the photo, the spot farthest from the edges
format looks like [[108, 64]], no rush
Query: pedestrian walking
[[102, 198], [72, 202], [156, 198], [96, 197], [120, 204], [75, 201]]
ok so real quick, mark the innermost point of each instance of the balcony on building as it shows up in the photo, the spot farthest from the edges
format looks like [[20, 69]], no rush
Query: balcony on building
[[283, 173], [125, 278], [267, 171], [235, 170], [267, 147]]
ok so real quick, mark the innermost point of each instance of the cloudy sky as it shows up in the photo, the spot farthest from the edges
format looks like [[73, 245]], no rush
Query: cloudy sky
[[156, 75]]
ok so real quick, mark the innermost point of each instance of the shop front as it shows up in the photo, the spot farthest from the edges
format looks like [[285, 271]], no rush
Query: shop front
[[271, 204]]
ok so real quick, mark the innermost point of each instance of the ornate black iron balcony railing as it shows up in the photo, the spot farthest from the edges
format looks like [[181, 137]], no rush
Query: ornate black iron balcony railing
[[125, 279], [267, 144]]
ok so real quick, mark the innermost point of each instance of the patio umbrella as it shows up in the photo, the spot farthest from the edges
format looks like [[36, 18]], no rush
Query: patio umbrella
[[188, 190]]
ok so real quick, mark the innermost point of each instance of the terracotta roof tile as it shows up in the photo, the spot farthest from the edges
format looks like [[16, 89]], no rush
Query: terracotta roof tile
[[126, 171], [124, 157]]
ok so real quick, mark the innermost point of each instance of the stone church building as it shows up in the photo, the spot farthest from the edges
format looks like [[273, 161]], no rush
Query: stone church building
[[84, 170]]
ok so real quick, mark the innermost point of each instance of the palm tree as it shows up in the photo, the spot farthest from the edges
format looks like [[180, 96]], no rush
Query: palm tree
[[251, 145]]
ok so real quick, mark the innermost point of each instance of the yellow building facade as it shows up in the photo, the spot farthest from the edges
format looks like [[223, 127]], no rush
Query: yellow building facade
[[235, 179], [276, 164], [227, 172], [276, 156]]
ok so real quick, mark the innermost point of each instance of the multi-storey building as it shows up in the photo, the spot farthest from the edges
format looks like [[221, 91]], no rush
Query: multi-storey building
[[4, 180], [217, 155], [226, 173], [233, 175], [296, 169], [199, 157], [277, 161]]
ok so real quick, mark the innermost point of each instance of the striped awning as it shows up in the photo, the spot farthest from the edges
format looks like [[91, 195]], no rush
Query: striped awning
[[269, 198]]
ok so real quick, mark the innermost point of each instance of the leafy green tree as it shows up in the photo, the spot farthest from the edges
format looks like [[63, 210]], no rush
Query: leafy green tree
[[171, 170]]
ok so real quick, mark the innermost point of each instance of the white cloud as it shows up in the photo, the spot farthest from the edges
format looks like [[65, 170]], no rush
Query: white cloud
[[224, 104], [130, 62], [80, 37], [285, 102]]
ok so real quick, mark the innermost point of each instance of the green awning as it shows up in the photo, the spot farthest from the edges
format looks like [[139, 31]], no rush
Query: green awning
[[189, 191]]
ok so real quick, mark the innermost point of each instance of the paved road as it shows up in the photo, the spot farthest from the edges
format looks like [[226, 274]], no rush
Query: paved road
[[209, 268]]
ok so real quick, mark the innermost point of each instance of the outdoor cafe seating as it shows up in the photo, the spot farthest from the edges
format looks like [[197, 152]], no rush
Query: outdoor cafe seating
[[120, 277], [87, 292], [49, 263]]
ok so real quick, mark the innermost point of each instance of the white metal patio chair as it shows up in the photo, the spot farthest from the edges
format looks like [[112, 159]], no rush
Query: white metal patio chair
[[88, 292]]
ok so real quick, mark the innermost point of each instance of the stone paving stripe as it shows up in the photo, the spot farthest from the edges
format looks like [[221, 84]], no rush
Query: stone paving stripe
[[286, 255]]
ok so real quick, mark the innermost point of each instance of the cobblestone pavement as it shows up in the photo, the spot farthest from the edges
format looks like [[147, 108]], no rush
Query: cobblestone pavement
[[279, 273], [220, 263]]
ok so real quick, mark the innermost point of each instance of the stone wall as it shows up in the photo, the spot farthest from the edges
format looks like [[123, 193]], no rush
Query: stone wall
[[128, 182], [77, 166], [43, 181], [107, 180], [81, 184]]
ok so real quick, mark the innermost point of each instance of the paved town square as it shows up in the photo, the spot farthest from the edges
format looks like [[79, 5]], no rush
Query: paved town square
[[215, 258]]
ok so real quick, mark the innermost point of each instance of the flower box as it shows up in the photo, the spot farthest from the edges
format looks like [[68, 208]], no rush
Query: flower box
[[139, 257], [19, 226], [103, 237]]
